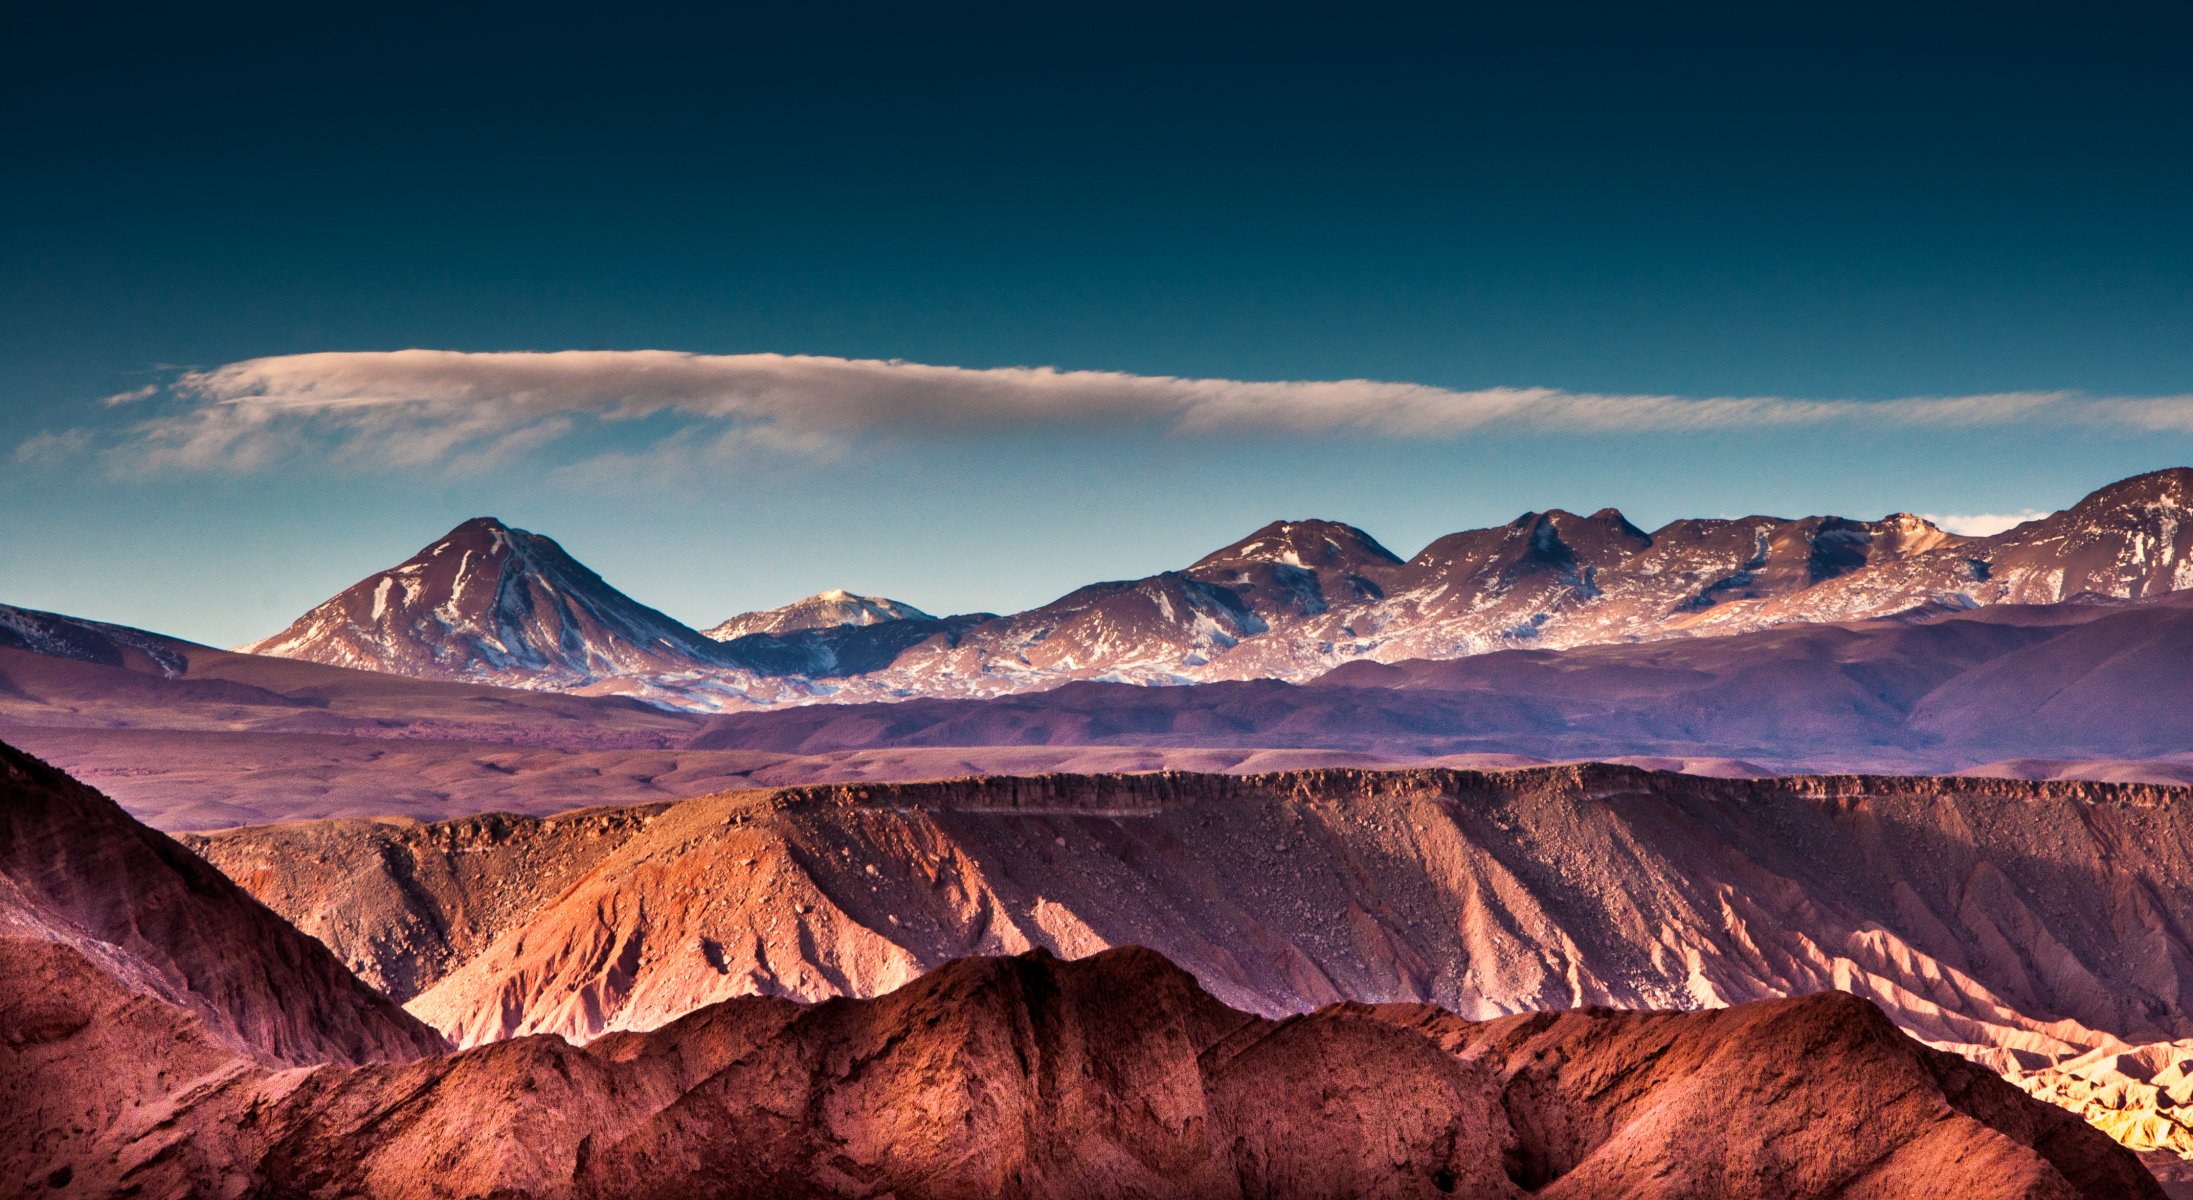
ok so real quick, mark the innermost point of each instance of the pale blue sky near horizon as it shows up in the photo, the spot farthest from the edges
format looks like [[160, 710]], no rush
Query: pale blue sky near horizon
[[1851, 206]]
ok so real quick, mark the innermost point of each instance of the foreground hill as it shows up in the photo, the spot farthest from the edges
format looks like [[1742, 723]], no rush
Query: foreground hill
[[2028, 926], [1116, 1075]]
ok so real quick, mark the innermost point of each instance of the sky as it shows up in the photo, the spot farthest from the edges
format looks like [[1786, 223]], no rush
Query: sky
[[971, 307]]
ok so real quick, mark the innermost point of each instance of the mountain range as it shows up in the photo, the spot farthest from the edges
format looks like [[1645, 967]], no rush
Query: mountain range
[[1291, 601]]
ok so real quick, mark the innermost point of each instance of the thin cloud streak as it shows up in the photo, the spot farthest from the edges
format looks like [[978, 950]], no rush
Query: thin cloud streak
[[410, 409]]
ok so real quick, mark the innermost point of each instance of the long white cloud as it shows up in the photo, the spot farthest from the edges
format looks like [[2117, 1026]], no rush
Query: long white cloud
[[419, 407]]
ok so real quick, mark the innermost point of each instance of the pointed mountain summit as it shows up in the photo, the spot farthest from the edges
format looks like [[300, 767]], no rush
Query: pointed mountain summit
[[1311, 545], [826, 610], [489, 603]]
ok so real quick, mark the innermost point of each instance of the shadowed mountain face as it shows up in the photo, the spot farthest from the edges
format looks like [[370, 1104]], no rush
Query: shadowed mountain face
[[1291, 601], [2028, 926]]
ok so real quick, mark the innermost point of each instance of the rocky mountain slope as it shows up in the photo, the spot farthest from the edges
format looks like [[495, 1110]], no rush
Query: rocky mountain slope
[[490, 603], [1032, 1077], [1296, 599], [505, 606], [2027, 926], [1291, 601], [80, 882]]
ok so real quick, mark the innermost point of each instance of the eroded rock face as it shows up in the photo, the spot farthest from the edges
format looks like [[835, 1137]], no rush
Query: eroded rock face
[[1113, 1075], [1666, 1105], [2018, 921], [150, 1041]]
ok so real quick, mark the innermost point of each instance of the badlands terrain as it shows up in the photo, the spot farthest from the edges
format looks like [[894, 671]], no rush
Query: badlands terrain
[[152, 1056], [2035, 928]]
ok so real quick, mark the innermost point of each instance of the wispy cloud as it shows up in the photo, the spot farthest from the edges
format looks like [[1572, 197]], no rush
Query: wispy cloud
[[415, 408], [55, 447], [1983, 524]]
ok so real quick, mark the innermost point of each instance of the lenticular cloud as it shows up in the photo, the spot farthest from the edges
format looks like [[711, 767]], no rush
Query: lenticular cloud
[[412, 408]]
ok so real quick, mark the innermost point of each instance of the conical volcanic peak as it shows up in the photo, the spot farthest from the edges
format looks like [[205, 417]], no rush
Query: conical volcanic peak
[[492, 603]]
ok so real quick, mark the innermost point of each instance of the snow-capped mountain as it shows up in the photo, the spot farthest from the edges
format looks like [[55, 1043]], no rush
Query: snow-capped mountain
[[827, 610], [490, 603], [1291, 601]]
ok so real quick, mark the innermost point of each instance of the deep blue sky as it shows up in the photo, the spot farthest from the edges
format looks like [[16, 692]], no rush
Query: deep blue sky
[[1842, 203]]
